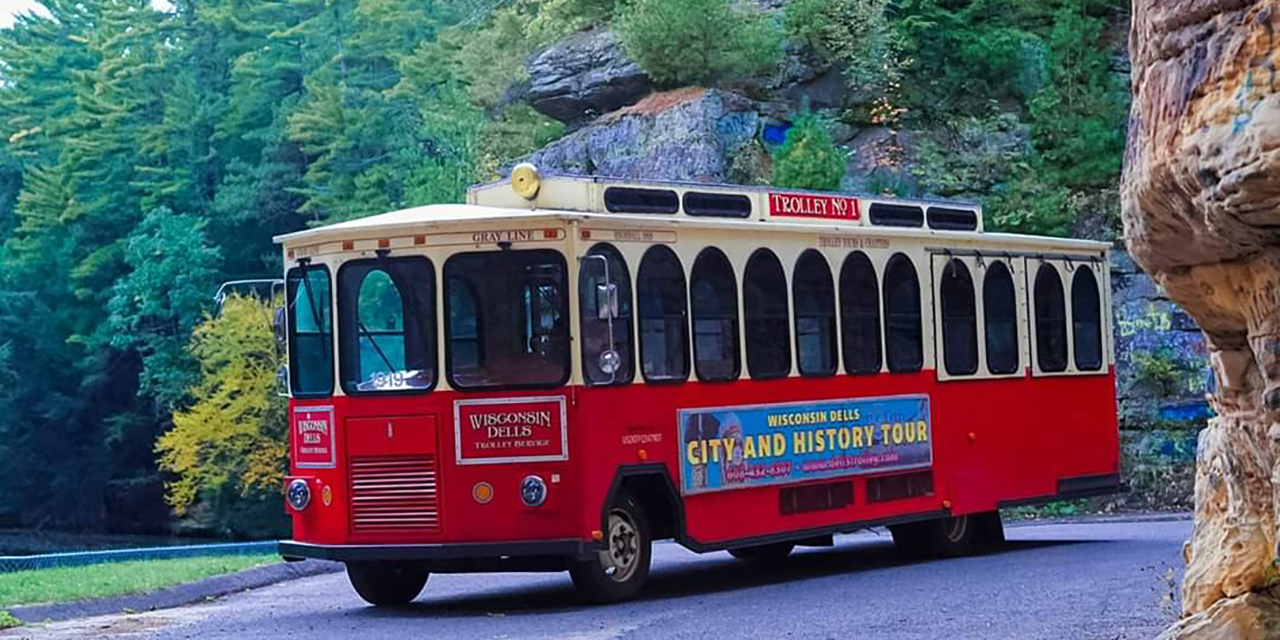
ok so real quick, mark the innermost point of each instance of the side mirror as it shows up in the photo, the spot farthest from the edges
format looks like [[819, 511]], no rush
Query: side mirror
[[279, 326], [606, 301]]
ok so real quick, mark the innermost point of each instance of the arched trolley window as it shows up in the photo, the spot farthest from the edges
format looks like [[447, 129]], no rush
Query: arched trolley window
[[959, 320], [765, 301], [662, 302], [815, 301], [903, 340], [713, 293], [604, 295], [860, 314], [1086, 319], [1051, 320], [1000, 319]]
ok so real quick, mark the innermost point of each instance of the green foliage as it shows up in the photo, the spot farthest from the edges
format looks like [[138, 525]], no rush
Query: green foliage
[[808, 159], [856, 34], [969, 155], [230, 446], [1028, 203], [698, 42], [1045, 60], [963, 54], [1077, 116], [154, 308], [8, 620]]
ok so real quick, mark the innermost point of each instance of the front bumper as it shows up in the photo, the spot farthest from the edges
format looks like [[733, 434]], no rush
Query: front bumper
[[529, 555]]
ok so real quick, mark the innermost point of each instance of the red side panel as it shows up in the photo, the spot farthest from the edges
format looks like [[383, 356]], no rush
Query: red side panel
[[993, 441]]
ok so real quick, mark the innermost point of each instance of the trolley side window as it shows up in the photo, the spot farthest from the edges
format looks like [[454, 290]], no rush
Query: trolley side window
[[1086, 320], [764, 291], [860, 314], [905, 344], [959, 320], [310, 331], [1000, 318], [507, 319], [386, 325], [815, 301], [605, 301], [714, 295], [662, 302], [1051, 320]]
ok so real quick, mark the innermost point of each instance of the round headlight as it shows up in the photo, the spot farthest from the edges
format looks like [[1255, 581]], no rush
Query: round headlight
[[533, 491], [299, 494]]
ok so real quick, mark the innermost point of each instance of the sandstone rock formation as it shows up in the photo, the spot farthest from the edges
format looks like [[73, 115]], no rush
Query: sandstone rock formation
[[1201, 190], [687, 134], [584, 76]]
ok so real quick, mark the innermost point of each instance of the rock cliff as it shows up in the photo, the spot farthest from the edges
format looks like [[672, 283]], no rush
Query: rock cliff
[[583, 76], [691, 134], [1200, 194]]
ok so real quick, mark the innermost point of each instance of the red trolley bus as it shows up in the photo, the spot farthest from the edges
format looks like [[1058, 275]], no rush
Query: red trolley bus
[[563, 370]]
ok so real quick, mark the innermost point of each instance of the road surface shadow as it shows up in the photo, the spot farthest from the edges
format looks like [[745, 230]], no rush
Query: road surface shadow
[[714, 573]]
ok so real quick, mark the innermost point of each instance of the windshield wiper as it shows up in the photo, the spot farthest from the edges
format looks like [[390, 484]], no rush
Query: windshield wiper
[[390, 367], [305, 265]]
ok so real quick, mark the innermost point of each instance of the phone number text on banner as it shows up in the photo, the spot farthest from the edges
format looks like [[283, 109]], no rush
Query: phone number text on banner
[[756, 445]]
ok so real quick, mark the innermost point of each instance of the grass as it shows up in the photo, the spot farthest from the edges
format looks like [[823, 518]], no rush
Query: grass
[[116, 578]]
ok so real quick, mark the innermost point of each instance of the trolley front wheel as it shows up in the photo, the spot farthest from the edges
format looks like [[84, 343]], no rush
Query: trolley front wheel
[[619, 570], [386, 584]]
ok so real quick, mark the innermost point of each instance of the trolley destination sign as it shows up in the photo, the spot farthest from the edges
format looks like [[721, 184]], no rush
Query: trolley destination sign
[[750, 446], [805, 205]]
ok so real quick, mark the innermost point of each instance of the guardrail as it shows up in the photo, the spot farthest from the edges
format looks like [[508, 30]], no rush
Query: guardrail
[[10, 564]]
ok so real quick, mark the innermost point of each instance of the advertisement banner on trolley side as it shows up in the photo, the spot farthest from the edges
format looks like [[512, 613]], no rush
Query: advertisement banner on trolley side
[[758, 445]]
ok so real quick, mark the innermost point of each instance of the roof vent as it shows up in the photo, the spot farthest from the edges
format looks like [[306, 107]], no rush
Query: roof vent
[[896, 215], [721, 205], [949, 219], [633, 200]]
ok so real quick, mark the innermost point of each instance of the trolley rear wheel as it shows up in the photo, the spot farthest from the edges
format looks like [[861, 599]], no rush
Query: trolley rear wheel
[[620, 569], [949, 537], [386, 584]]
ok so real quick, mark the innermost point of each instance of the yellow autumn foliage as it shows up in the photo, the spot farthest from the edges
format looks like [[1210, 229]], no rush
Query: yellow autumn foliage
[[234, 436]]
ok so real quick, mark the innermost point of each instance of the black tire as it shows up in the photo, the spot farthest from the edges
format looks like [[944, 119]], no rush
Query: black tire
[[951, 537], [989, 530], [619, 571], [386, 584], [776, 552], [910, 540], [942, 537]]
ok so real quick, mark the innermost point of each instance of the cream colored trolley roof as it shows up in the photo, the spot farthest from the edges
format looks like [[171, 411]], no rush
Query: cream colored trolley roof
[[591, 201]]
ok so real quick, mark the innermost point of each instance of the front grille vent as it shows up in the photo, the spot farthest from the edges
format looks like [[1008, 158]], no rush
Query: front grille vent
[[394, 494]]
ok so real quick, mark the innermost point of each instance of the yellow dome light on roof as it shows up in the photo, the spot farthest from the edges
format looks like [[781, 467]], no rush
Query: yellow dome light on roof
[[525, 181]]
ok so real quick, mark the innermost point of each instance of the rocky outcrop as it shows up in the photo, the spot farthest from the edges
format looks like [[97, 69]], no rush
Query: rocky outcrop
[[584, 76], [1201, 190], [1249, 617], [688, 134]]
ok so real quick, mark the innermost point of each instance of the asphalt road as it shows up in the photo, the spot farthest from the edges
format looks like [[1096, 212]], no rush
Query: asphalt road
[[1102, 581]]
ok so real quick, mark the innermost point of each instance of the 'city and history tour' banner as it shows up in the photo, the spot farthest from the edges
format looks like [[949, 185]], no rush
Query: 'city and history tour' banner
[[756, 445]]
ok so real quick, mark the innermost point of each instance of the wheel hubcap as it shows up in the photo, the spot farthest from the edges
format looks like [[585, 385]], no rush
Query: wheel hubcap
[[622, 556]]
